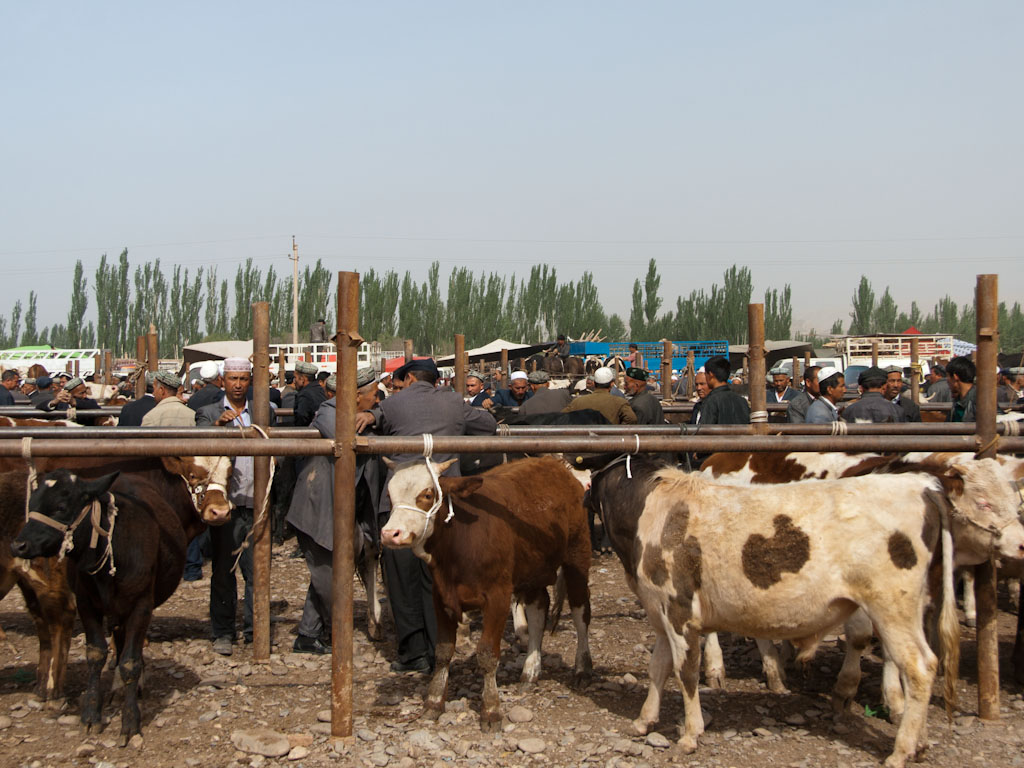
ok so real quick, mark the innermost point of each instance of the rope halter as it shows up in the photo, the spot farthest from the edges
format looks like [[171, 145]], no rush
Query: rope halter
[[94, 512], [428, 515]]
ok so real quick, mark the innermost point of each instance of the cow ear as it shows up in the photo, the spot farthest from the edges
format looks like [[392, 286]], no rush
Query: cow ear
[[389, 463], [461, 487], [177, 466], [93, 489], [445, 464]]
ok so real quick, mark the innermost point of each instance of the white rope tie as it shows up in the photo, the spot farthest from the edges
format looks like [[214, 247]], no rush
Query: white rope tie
[[31, 481], [428, 448], [839, 428], [259, 514], [758, 417], [636, 450], [1011, 428]]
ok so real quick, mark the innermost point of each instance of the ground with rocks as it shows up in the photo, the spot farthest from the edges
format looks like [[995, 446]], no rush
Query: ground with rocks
[[201, 709]]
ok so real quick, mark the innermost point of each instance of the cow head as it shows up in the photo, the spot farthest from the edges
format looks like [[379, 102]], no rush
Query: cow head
[[207, 478], [56, 509], [986, 517], [418, 494]]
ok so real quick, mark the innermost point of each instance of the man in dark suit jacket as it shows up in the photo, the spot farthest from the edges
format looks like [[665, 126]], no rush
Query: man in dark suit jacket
[[211, 392], [309, 394], [132, 412], [894, 392], [780, 391], [233, 411]]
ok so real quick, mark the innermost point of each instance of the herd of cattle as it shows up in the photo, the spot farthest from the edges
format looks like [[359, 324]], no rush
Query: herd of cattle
[[772, 546]]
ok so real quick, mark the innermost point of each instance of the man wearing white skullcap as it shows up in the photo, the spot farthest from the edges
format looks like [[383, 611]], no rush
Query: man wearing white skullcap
[[613, 408], [518, 391], [211, 392], [235, 410]]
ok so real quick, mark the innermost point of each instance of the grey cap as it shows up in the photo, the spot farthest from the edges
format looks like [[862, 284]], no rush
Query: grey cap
[[168, 379], [778, 372], [894, 369], [73, 384], [365, 375], [150, 378], [307, 369], [475, 375], [538, 377], [332, 382], [30, 381]]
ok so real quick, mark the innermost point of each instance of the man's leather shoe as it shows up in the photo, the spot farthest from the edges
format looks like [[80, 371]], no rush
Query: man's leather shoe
[[415, 665], [305, 644]]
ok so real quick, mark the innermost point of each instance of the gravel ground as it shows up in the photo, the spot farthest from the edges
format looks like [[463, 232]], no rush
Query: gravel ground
[[201, 709]]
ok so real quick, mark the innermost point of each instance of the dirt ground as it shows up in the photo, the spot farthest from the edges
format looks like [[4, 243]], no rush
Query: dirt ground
[[196, 701]]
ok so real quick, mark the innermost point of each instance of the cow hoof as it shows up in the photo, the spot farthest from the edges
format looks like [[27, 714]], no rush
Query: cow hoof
[[971, 623], [640, 727], [715, 681], [56, 705], [582, 679], [526, 686], [431, 713], [841, 705], [777, 686], [123, 739], [490, 722], [688, 745]]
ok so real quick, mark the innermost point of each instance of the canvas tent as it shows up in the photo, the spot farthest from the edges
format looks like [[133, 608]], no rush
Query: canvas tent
[[215, 350]]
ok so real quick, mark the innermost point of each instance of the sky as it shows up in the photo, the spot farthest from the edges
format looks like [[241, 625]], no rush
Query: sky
[[812, 142]]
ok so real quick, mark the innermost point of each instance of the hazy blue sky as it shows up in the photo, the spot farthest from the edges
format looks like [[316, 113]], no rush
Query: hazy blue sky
[[809, 141]]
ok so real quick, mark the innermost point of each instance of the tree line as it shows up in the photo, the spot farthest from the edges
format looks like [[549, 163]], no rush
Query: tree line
[[189, 307]]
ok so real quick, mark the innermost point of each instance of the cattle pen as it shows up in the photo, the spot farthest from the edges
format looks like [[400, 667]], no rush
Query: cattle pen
[[985, 438]]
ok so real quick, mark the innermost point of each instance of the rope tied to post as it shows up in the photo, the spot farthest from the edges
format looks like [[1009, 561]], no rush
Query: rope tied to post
[[993, 443], [259, 521], [636, 450], [32, 480], [839, 428], [758, 417], [1011, 428]]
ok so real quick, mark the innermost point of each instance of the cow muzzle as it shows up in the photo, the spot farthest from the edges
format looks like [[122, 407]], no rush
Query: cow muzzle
[[396, 538]]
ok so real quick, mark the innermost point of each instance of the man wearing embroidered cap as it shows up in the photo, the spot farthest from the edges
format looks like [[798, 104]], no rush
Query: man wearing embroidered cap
[[831, 389], [1009, 389], [476, 392], [613, 408], [74, 394], [169, 411], [872, 406], [544, 398], [518, 391], [233, 411], [309, 394], [311, 514], [894, 393], [420, 408], [211, 392], [644, 404]]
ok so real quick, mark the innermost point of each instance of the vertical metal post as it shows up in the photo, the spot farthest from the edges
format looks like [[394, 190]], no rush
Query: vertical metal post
[[691, 374], [152, 349], [915, 372], [503, 376], [758, 387], [348, 341], [666, 369], [874, 353], [796, 370], [140, 362], [746, 366], [408, 350], [261, 481], [987, 313], [108, 366], [460, 368]]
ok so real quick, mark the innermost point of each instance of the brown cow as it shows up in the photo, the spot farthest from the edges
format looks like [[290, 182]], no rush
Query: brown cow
[[506, 532]]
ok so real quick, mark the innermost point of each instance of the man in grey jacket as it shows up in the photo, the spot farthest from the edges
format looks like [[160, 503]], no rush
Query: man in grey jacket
[[420, 408], [545, 399]]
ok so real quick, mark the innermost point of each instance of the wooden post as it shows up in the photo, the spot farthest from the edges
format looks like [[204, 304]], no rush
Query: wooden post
[[152, 347], [140, 362], [874, 353], [348, 341], [261, 481], [796, 370], [78, 368], [746, 366], [758, 387], [666, 369], [408, 350], [280, 368], [691, 374], [915, 372], [460, 367], [504, 368], [108, 365], [987, 315], [97, 365], [807, 360]]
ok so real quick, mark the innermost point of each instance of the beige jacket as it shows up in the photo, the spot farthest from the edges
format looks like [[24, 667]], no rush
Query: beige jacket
[[170, 412]]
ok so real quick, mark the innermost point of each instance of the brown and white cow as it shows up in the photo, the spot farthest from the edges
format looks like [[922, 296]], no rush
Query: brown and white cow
[[487, 538], [707, 557]]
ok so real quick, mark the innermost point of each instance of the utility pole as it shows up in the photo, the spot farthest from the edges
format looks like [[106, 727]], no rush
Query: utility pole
[[295, 291]]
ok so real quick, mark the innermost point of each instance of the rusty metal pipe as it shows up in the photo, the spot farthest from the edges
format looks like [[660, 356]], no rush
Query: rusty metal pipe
[[758, 388], [460, 368], [916, 428], [261, 482]]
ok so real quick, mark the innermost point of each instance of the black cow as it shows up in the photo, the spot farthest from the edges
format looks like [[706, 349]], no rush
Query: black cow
[[124, 562]]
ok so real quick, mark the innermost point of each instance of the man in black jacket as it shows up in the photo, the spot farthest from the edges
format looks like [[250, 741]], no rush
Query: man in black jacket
[[895, 394], [722, 405], [211, 392], [133, 412], [309, 394]]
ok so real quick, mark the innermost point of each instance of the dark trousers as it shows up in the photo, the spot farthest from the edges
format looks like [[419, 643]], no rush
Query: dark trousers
[[410, 591], [224, 540], [316, 612], [194, 556]]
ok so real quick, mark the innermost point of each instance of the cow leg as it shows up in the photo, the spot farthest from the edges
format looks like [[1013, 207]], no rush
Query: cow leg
[[368, 575], [714, 665], [444, 651], [771, 665], [1018, 643], [488, 652], [658, 669], [130, 666], [573, 576], [688, 648], [44, 668], [858, 631], [892, 689], [536, 615], [95, 657], [970, 608], [519, 623]]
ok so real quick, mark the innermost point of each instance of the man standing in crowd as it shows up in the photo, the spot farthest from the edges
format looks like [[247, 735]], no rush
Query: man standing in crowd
[[938, 386], [544, 399], [701, 389], [312, 514], [1009, 388], [288, 393], [796, 411], [518, 391], [780, 391], [960, 373], [644, 404], [134, 411], [309, 394], [872, 406], [169, 410], [722, 405], [44, 393], [8, 382], [418, 409], [476, 392], [831, 388], [894, 393], [233, 411], [613, 408], [211, 392]]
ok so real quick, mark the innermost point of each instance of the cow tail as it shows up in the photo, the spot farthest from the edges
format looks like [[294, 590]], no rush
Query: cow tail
[[949, 624], [555, 609]]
